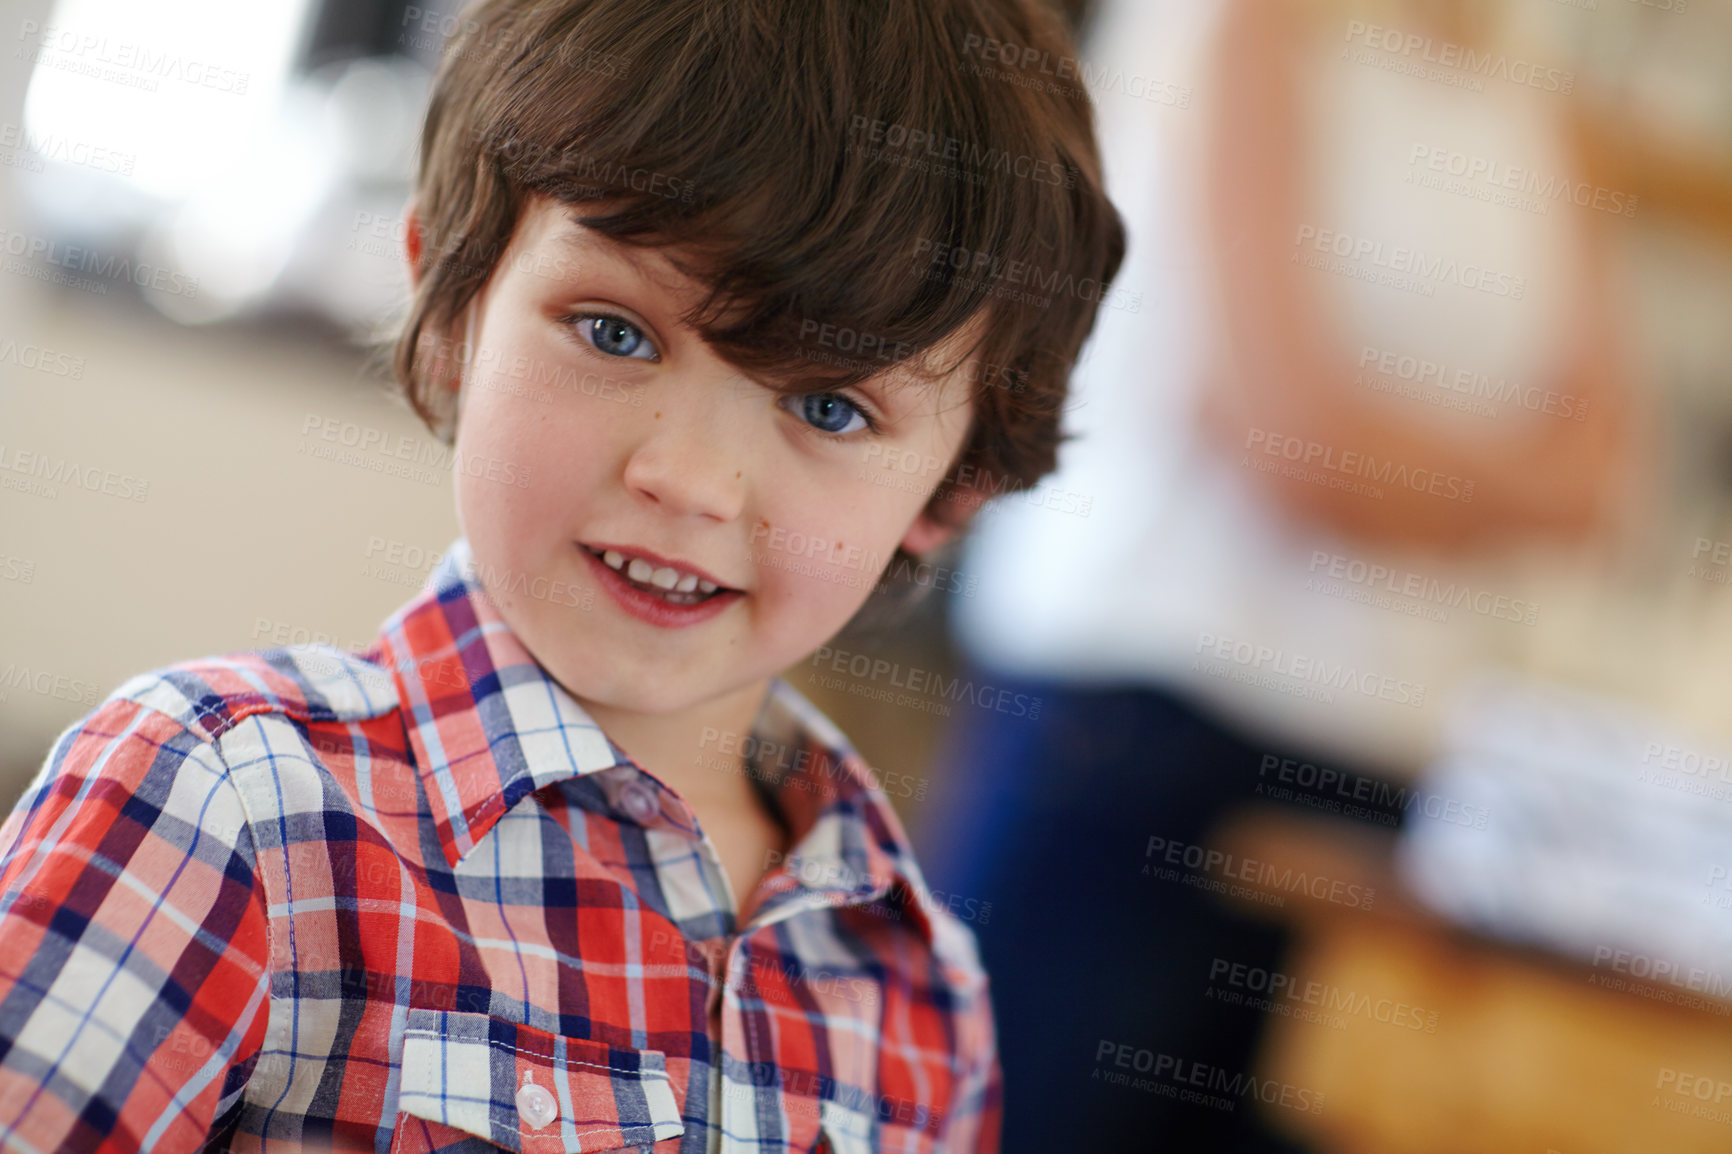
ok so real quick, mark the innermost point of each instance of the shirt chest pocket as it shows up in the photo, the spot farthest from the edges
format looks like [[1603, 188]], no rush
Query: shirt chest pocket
[[470, 1081]]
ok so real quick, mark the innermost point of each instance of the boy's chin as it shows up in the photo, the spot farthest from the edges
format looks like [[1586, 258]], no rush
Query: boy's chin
[[651, 692]]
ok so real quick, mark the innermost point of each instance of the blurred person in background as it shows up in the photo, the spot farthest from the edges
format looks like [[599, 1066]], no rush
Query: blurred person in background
[[1223, 417]]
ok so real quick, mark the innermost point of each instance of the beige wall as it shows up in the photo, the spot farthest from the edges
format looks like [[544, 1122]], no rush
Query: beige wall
[[238, 526]]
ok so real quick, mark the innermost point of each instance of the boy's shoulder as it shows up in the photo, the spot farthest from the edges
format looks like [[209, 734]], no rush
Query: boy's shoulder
[[322, 684], [309, 683], [792, 720]]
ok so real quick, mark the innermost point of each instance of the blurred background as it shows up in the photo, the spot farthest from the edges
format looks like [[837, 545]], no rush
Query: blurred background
[[1376, 792]]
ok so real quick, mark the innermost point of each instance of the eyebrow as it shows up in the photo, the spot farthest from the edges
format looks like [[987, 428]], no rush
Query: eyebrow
[[601, 255], [580, 238]]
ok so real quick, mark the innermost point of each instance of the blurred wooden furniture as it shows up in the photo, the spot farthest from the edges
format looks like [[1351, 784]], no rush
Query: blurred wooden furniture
[[1687, 180], [1529, 1054]]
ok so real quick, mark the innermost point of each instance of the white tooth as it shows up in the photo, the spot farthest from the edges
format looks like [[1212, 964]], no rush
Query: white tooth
[[639, 569], [613, 558], [687, 584], [664, 578], [707, 586]]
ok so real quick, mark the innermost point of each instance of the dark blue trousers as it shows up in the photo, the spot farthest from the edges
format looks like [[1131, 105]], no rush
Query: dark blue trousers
[[1050, 821]]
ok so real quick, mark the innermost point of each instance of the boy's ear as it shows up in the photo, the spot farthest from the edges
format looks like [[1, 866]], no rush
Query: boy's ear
[[928, 532], [412, 242]]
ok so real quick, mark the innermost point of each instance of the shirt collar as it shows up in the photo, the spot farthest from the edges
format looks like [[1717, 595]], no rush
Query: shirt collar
[[486, 725]]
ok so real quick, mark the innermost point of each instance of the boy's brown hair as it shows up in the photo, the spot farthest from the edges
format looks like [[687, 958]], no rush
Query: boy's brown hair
[[852, 180]]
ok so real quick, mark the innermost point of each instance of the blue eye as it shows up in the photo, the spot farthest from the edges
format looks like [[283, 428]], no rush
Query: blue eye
[[832, 413], [616, 338]]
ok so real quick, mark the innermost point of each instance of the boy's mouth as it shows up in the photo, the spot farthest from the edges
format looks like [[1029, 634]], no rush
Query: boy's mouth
[[671, 583]]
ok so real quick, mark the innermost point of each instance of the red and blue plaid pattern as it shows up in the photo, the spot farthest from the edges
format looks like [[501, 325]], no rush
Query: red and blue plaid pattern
[[414, 899]]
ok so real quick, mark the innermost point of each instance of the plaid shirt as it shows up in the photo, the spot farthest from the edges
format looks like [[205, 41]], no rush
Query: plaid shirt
[[414, 899]]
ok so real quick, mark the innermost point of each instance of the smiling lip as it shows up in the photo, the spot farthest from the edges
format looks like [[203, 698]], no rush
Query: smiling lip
[[660, 562], [650, 608]]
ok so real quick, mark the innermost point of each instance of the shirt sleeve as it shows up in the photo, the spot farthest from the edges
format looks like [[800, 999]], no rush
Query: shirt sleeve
[[134, 985], [977, 1112]]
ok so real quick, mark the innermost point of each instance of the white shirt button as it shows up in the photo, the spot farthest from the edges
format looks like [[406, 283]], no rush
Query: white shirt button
[[535, 1105], [639, 802]]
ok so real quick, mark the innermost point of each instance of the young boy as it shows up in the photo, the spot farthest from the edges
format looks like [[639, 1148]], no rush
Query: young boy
[[559, 863]]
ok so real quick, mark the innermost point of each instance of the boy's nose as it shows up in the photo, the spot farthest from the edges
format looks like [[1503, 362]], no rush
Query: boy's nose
[[688, 470]]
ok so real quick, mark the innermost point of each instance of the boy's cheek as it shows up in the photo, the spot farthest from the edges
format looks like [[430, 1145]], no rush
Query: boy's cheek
[[804, 610]]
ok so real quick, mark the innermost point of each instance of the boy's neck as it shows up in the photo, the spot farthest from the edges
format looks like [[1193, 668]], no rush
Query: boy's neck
[[673, 747]]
